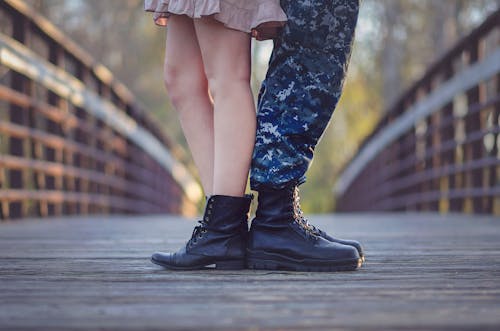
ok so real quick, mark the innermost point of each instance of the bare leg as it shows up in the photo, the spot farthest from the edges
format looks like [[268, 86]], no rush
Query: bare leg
[[187, 87], [226, 57]]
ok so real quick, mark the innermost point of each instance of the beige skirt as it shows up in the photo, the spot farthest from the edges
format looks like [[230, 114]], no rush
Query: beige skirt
[[243, 15]]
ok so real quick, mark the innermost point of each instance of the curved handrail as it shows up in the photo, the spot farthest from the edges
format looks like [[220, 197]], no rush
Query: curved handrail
[[455, 103], [86, 124]]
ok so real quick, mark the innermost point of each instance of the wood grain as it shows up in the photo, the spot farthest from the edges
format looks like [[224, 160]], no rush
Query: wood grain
[[423, 271]]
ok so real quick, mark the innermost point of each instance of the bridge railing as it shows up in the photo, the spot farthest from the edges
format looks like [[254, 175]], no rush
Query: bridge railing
[[436, 149], [74, 140]]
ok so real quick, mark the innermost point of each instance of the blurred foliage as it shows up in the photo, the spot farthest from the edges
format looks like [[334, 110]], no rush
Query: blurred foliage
[[395, 41]]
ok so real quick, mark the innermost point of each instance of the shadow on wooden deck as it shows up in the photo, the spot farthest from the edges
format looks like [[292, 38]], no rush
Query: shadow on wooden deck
[[423, 271]]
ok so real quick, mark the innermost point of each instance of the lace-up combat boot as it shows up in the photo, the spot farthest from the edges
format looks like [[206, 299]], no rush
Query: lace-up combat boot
[[218, 242], [279, 239], [322, 233]]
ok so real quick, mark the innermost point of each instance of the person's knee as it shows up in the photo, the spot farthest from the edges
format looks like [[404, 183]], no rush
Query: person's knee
[[226, 85], [183, 84]]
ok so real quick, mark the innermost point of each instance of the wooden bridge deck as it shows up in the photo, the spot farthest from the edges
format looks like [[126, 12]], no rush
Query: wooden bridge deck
[[422, 272]]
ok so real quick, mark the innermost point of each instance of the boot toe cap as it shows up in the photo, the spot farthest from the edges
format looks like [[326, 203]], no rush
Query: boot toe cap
[[161, 258], [344, 252], [355, 244]]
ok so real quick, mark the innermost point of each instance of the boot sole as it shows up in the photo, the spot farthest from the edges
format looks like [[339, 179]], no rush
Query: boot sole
[[272, 261], [219, 265]]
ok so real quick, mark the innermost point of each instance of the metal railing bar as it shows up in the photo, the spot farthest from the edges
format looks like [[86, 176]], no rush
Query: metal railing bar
[[55, 196], [58, 169], [435, 196], [65, 119], [409, 162], [58, 142], [434, 173]]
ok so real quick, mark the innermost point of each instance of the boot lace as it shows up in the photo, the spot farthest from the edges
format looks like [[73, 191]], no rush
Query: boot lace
[[201, 229], [299, 217], [198, 232]]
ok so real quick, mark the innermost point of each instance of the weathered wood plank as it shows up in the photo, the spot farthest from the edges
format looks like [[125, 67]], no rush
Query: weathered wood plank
[[422, 272]]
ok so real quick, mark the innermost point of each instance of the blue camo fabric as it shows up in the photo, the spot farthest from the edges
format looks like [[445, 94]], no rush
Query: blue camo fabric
[[301, 89]]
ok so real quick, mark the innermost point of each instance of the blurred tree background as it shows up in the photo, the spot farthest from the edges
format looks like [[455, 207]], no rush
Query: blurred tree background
[[396, 40]]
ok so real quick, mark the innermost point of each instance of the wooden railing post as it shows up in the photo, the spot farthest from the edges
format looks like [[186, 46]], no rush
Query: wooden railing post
[[448, 132], [493, 205], [473, 149], [17, 116]]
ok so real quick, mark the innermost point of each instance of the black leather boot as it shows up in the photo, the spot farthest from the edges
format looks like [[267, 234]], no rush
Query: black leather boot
[[218, 242], [322, 233], [280, 240]]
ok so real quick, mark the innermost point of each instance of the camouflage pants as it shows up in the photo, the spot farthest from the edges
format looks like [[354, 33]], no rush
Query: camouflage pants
[[302, 87]]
